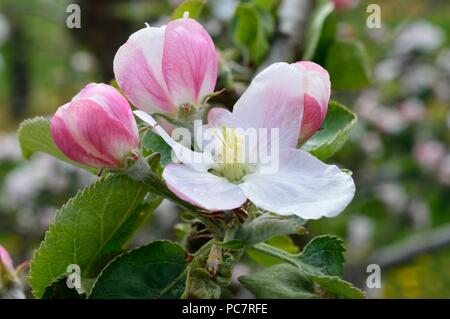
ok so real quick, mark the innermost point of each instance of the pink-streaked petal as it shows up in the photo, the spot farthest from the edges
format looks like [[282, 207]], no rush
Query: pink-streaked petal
[[70, 147], [98, 129], [317, 83], [189, 61], [203, 189], [274, 99], [317, 95], [97, 133], [138, 70], [303, 186], [312, 118], [112, 102], [6, 260], [219, 116]]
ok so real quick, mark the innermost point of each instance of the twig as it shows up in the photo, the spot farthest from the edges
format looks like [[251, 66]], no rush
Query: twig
[[405, 250]]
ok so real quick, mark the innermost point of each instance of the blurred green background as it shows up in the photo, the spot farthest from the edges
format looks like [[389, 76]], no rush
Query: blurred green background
[[398, 152]]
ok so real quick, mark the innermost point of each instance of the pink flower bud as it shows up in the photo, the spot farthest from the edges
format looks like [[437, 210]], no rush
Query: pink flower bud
[[160, 69], [97, 128], [5, 260], [317, 88]]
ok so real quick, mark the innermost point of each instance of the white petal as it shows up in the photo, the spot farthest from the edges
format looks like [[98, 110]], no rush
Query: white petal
[[274, 99], [218, 116], [303, 186], [197, 160], [203, 189]]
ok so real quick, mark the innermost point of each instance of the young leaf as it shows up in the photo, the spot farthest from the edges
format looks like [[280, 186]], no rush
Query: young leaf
[[267, 226], [347, 63], [334, 134], [282, 281], [34, 136], [325, 254], [316, 29], [156, 270], [82, 228], [194, 7]]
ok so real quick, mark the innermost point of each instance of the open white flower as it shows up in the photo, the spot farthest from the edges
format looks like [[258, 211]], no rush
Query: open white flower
[[302, 185]]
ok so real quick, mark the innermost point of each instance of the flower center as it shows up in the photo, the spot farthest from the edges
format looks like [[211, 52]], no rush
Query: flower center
[[231, 155]]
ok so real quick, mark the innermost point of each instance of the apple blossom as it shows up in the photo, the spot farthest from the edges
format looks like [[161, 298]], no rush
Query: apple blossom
[[162, 68], [96, 127], [302, 185]]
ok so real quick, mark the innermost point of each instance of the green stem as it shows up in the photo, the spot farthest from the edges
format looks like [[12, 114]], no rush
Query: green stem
[[277, 253], [141, 171]]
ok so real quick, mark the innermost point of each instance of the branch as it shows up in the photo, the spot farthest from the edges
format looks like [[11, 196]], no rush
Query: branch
[[405, 250]]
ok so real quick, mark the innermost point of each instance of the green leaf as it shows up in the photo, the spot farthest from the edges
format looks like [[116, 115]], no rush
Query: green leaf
[[325, 254], [129, 228], [194, 7], [267, 20], [245, 24], [250, 30], [284, 243], [259, 47], [321, 262], [267, 226], [59, 290], [156, 270], [327, 38], [334, 134], [282, 281], [337, 287], [34, 136], [82, 228], [321, 30], [347, 63], [154, 143]]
